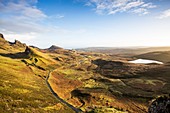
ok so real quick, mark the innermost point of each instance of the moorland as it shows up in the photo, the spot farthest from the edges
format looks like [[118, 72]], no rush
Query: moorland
[[87, 80]]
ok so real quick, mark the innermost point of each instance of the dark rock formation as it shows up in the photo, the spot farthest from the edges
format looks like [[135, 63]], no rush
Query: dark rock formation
[[1, 36], [17, 42], [160, 105], [35, 47], [3, 43], [18, 45], [27, 50]]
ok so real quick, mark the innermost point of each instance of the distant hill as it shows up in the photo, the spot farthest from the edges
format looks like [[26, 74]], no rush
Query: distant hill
[[124, 51], [54, 47], [163, 56]]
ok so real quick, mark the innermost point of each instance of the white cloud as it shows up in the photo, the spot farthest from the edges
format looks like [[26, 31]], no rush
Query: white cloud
[[115, 6], [23, 21], [165, 14], [140, 11], [149, 5], [22, 8], [21, 16], [58, 16], [21, 37]]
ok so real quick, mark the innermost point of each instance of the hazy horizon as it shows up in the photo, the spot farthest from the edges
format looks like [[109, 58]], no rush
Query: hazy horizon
[[86, 23]]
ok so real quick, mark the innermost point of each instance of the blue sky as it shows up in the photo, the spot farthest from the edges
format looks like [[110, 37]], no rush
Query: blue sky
[[86, 23]]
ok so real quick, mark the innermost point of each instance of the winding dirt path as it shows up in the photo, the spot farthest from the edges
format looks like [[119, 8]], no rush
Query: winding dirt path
[[60, 99]]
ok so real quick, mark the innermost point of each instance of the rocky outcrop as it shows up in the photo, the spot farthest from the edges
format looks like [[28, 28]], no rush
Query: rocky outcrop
[[3, 43], [1, 35], [18, 44], [27, 50]]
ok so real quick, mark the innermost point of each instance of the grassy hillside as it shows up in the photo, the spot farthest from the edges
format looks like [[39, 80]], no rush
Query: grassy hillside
[[22, 82], [163, 56], [22, 90]]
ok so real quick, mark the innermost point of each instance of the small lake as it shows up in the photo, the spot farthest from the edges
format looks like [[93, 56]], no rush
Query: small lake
[[145, 61]]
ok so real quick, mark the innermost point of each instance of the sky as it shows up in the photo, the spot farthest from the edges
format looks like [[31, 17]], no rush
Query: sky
[[86, 23]]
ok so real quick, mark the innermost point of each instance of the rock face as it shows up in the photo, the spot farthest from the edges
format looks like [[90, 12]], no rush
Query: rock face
[[3, 43], [27, 50], [18, 43], [1, 36]]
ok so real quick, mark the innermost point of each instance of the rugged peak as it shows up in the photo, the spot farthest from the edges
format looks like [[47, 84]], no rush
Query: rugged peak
[[53, 47], [3, 43], [1, 35], [17, 42]]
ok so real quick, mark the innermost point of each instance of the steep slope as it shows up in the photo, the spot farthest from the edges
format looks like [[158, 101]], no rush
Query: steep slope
[[22, 81]]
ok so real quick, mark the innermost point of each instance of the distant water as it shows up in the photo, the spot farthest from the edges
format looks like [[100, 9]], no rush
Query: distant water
[[145, 61]]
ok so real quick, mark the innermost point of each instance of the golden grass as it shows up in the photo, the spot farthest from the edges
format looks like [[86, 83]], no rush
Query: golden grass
[[23, 91]]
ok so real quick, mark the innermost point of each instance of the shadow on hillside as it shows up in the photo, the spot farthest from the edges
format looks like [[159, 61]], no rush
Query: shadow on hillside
[[121, 70], [115, 69], [18, 55]]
